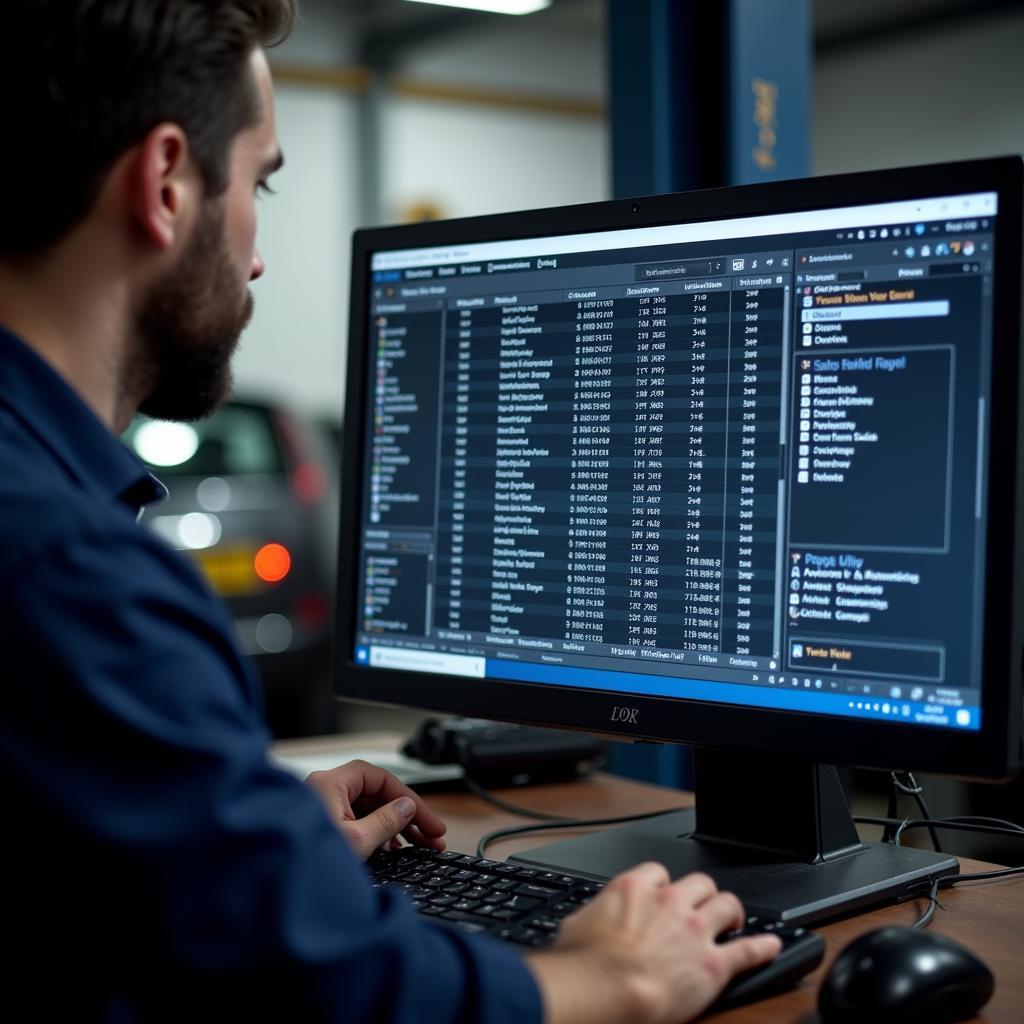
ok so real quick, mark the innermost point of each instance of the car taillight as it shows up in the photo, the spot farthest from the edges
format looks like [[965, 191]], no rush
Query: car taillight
[[309, 482], [272, 563], [308, 479], [311, 610]]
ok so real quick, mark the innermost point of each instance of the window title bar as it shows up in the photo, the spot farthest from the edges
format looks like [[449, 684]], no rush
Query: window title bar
[[982, 204]]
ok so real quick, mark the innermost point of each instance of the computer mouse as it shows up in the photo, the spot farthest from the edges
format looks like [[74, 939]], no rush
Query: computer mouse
[[906, 975]]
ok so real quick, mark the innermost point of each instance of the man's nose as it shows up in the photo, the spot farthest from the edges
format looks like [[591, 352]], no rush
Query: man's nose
[[258, 266]]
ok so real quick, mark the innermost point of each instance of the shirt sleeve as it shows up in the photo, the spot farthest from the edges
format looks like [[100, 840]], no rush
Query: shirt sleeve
[[200, 871]]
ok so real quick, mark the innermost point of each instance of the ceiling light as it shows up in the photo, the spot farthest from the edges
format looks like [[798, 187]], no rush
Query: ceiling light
[[492, 6]]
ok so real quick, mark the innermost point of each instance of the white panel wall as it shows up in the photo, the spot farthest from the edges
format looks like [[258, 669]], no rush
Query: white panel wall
[[293, 348], [471, 160], [949, 94]]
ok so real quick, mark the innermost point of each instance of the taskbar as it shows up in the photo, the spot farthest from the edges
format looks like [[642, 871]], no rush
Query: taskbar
[[795, 694]]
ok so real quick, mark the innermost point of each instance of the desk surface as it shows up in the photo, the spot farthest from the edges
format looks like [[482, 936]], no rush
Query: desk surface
[[987, 917]]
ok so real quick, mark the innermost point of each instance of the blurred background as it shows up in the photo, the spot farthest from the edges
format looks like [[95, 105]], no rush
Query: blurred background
[[399, 110]]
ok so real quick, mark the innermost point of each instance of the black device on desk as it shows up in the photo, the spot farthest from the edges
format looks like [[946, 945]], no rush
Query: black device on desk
[[738, 469], [505, 754]]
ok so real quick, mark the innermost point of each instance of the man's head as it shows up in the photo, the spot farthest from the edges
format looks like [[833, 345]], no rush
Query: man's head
[[153, 117]]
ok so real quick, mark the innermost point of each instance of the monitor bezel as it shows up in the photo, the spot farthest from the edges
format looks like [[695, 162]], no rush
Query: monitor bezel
[[991, 752]]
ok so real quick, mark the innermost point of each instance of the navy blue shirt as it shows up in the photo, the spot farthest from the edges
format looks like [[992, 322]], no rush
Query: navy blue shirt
[[155, 864]]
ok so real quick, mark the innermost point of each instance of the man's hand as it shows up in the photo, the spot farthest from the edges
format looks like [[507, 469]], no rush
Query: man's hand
[[644, 950], [372, 808]]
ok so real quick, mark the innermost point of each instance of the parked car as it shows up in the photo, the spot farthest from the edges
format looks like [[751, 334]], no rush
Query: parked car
[[253, 500]]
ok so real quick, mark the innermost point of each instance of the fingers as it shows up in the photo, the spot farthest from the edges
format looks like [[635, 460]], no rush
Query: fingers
[[723, 912], [415, 836], [649, 873], [695, 889], [742, 954], [371, 785], [357, 789], [379, 827]]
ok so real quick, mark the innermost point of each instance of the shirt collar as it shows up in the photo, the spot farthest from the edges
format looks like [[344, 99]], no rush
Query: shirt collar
[[50, 409]]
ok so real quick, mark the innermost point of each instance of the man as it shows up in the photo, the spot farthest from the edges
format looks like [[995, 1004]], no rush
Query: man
[[156, 865]]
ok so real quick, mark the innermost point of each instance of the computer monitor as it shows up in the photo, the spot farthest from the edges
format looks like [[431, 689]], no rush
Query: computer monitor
[[738, 469]]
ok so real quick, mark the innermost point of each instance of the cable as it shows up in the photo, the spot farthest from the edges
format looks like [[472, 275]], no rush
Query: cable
[[914, 789], [485, 794], [517, 830], [964, 823], [917, 792], [889, 832], [971, 818], [955, 824], [933, 902], [977, 876]]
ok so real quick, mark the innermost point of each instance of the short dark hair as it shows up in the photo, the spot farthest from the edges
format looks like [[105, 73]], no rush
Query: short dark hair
[[84, 80]]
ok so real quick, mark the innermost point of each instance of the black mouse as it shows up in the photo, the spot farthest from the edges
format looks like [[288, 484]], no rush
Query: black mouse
[[906, 975]]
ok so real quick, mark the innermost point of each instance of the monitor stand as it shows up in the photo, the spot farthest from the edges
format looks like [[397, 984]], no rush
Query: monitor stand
[[776, 830]]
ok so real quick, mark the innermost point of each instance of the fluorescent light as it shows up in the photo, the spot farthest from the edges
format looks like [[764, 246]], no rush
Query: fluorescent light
[[492, 6]]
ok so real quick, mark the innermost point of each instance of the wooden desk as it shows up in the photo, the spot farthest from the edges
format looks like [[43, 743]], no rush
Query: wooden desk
[[987, 917]]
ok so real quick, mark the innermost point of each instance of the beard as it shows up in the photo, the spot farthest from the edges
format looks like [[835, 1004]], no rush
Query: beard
[[187, 328]]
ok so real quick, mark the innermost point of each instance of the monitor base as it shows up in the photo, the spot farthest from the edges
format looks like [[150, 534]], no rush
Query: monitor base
[[773, 888]]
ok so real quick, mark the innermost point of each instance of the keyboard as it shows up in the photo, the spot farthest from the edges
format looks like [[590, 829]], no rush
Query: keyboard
[[525, 906], [520, 905]]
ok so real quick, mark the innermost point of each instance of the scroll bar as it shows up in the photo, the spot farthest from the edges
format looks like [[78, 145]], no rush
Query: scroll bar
[[980, 472], [780, 525]]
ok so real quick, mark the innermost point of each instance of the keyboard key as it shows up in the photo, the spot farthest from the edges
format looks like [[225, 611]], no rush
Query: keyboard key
[[540, 891], [521, 903], [469, 926], [444, 901], [530, 937], [544, 924], [551, 878]]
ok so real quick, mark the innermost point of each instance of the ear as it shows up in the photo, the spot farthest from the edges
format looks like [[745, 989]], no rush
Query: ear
[[165, 185]]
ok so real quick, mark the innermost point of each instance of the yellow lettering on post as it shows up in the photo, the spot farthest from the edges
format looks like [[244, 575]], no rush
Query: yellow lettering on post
[[766, 117]]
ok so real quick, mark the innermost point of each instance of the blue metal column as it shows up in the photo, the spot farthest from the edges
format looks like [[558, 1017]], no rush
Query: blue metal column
[[704, 93], [771, 52]]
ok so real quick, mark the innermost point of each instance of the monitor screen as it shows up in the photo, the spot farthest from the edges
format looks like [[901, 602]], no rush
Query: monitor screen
[[734, 468]]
